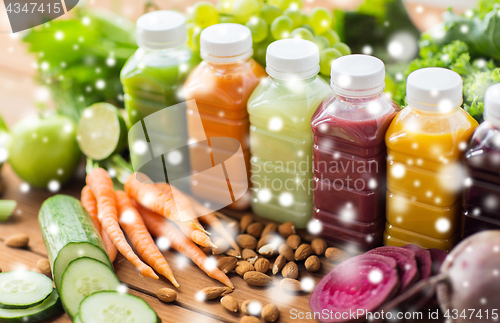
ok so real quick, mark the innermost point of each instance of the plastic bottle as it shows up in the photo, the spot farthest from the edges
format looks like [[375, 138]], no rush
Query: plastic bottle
[[425, 175], [221, 86], [482, 187], [280, 111], [349, 152], [152, 79]]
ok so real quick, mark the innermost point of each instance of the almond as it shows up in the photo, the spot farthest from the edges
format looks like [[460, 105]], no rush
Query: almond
[[221, 246], [265, 239], [262, 265], [229, 303], [290, 285], [245, 221], [286, 229], [248, 253], [278, 265], [166, 295], [303, 251], [270, 228], [291, 270], [44, 266], [249, 319], [336, 255], [268, 250], [207, 250], [258, 279], [233, 253], [226, 264], [293, 241], [210, 293], [313, 264], [255, 229], [286, 252], [270, 313], [17, 241], [251, 307], [319, 246], [246, 241], [243, 266]]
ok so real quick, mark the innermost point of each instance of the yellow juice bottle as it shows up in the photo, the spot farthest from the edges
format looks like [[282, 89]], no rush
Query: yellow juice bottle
[[425, 176]]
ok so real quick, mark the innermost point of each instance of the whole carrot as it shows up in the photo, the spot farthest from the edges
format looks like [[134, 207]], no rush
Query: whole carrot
[[155, 199], [102, 187], [160, 227], [90, 204], [135, 229]]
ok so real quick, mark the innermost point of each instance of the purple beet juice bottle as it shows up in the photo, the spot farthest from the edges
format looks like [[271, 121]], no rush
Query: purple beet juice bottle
[[482, 192], [349, 152]]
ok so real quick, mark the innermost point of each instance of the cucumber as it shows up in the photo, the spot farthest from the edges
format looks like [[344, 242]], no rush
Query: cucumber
[[23, 289], [104, 307], [69, 233], [48, 308], [77, 319], [83, 277]]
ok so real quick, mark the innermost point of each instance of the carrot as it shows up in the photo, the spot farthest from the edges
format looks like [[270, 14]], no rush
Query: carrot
[[198, 237], [102, 187], [160, 227], [155, 199], [135, 229], [90, 204]]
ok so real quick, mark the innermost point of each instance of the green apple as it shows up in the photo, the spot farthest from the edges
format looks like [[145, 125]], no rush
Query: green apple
[[43, 150]]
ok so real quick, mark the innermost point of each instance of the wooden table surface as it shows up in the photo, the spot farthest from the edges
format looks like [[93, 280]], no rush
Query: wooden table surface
[[186, 309]]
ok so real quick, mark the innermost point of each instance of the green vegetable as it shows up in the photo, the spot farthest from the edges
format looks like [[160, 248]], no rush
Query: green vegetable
[[80, 58], [48, 308], [478, 75], [117, 307], [7, 207], [68, 233], [83, 277], [77, 319], [43, 150], [23, 289]]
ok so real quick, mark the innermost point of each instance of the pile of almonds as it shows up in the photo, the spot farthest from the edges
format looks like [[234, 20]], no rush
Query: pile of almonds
[[259, 244]]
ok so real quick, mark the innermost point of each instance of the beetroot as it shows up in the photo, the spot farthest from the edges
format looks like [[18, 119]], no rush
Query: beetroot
[[424, 261], [407, 265], [437, 256], [357, 285]]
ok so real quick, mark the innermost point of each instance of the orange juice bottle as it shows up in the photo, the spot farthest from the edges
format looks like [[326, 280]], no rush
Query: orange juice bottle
[[221, 86], [424, 173]]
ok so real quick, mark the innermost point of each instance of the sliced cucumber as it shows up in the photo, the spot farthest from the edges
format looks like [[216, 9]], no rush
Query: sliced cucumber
[[48, 308], [114, 307], [77, 319], [68, 233], [23, 289], [83, 277]]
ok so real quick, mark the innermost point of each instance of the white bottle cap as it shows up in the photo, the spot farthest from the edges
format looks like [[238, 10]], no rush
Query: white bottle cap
[[492, 105], [434, 89], [357, 75], [225, 43], [292, 58], [161, 29]]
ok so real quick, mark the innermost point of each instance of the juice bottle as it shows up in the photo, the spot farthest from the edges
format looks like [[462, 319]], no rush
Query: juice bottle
[[425, 176], [280, 111], [152, 79], [482, 187], [221, 86], [349, 152]]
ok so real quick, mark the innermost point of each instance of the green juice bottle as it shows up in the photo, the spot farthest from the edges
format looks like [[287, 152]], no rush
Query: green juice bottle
[[153, 77], [281, 140]]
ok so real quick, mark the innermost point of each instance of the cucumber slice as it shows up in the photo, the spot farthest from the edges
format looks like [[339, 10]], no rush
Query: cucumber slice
[[48, 308], [77, 319], [23, 289], [101, 131], [83, 277], [68, 233], [104, 307]]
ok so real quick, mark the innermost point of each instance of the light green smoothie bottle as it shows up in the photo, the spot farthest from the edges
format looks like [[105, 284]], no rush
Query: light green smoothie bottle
[[153, 78], [281, 140]]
